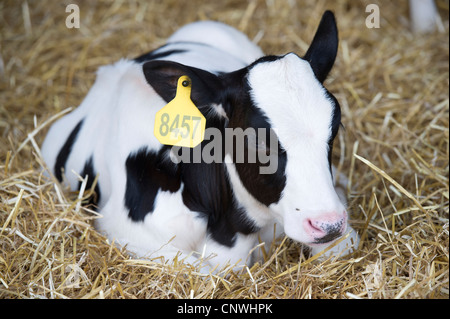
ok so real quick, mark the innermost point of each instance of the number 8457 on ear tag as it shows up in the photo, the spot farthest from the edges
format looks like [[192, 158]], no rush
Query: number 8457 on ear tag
[[180, 123]]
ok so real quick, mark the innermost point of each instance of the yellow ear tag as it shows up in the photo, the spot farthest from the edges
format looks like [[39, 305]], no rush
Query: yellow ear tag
[[180, 123]]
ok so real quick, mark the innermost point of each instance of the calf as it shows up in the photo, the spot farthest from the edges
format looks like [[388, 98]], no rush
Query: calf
[[159, 205]]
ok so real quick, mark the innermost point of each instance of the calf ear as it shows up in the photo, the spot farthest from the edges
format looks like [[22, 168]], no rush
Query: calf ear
[[163, 77], [323, 49]]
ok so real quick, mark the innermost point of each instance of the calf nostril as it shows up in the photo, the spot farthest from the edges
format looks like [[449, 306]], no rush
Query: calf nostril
[[312, 227], [325, 229], [331, 231], [315, 227]]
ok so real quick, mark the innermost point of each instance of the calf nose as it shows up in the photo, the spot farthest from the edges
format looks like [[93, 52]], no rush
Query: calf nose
[[326, 228]]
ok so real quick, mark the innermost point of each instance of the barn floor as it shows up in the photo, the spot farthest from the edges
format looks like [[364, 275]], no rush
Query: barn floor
[[393, 87]]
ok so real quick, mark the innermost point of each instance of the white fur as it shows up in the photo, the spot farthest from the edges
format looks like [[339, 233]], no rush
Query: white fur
[[220, 36], [424, 15]]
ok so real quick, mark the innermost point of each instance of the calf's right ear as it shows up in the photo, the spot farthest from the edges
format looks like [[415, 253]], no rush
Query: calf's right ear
[[163, 77]]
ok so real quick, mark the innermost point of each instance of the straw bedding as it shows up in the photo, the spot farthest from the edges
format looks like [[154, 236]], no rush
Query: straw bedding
[[393, 89]]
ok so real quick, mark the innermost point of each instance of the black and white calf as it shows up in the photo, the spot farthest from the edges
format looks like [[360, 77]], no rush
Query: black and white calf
[[157, 206]]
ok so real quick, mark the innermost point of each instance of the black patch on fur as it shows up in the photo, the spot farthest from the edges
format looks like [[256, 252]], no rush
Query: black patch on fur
[[266, 188], [147, 173], [207, 191], [323, 49], [64, 153], [163, 77], [156, 54], [267, 58], [153, 55], [335, 123], [90, 172]]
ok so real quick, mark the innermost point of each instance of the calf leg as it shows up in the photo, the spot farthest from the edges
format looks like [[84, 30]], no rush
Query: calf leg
[[218, 257]]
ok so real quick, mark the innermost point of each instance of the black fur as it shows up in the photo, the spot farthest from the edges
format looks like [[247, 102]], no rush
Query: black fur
[[206, 190], [266, 188], [147, 173], [153, 55], [165, 51], [323, 49], [90, 172], [64, 153], [163, 77], [335, 123]]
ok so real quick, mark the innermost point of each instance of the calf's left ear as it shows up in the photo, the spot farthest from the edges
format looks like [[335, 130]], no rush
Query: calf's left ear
[[163, 77], [323, 49]]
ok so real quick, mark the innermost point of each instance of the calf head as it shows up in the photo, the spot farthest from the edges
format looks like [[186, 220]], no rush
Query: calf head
[[284, 95]]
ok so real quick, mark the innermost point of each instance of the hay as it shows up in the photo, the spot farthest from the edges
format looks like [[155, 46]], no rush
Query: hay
[[393, 89]]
